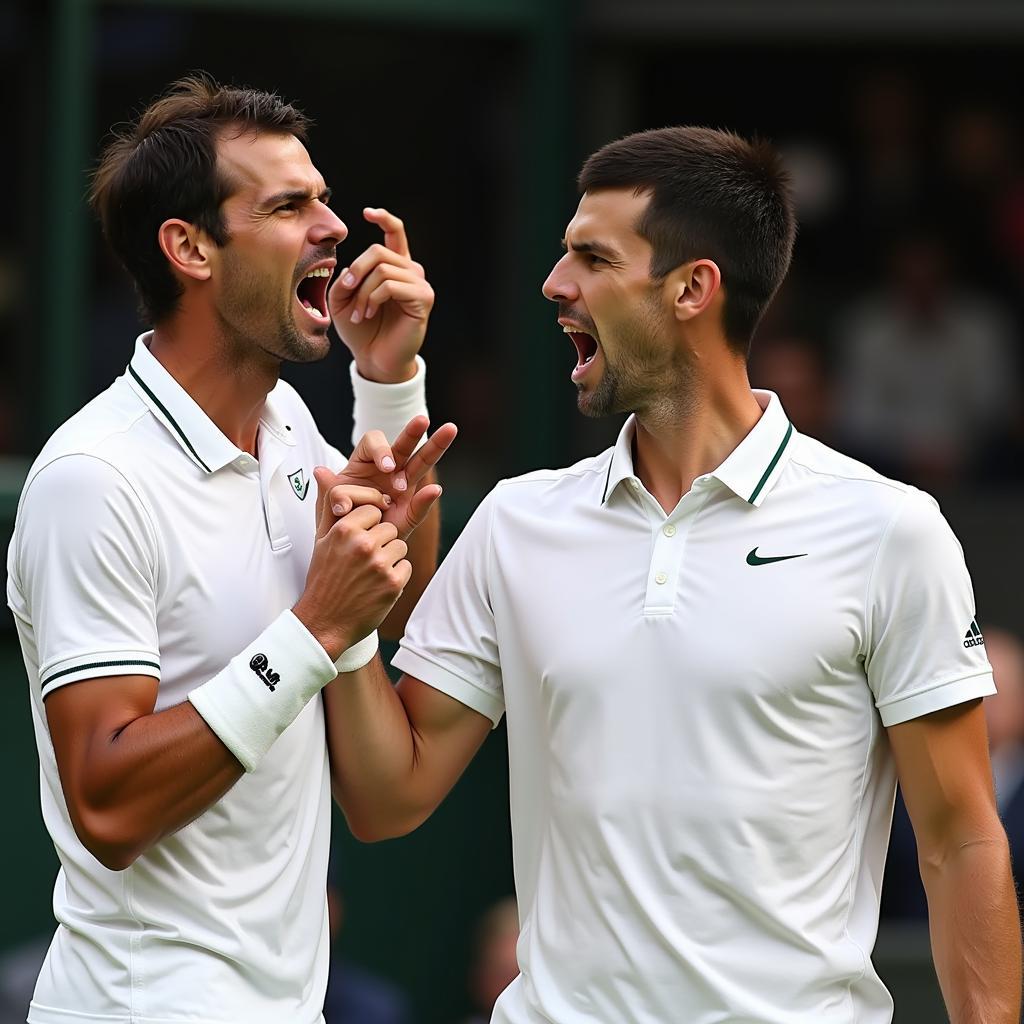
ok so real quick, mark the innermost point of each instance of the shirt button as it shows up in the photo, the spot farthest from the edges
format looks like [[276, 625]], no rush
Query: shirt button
[[661, 578], [635, 484], [669, 530]]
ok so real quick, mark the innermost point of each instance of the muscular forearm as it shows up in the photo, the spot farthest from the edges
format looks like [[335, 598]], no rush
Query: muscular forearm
[[148, 780], [975, 930], [423, 550], [373, 751]]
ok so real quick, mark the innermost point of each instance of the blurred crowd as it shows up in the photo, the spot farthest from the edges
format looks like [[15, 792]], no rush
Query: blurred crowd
[[898, 336]]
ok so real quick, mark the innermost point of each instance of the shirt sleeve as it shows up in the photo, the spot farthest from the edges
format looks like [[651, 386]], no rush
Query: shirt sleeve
[[451, 639], [87, 566], [925, 651]]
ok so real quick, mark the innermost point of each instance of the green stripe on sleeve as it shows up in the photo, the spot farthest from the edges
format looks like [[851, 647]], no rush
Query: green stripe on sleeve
[[134, 662]]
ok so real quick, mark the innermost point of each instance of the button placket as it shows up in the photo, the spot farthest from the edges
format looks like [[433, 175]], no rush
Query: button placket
[[272, 488]]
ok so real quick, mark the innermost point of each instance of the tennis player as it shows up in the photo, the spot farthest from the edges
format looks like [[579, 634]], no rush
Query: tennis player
[[183, 593], [717, 644]]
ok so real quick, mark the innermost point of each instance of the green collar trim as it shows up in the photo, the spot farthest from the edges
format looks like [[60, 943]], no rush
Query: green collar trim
[[772, 464], [170, 419]]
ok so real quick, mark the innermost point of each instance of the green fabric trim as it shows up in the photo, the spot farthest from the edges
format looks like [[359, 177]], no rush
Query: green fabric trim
[[98, 664], [772, 464], [160, 405]]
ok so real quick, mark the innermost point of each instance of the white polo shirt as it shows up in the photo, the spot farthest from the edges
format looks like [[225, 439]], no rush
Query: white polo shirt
[[147, 543], [701, 786]]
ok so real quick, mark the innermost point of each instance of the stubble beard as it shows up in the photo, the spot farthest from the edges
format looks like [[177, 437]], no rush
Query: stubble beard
[[648, 377], [253, 322]]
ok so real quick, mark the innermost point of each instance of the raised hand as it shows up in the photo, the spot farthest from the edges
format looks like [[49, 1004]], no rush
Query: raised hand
[[395, 471], [381, 303]]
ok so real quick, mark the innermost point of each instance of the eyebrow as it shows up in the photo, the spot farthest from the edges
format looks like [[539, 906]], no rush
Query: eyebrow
[[297, 195], [593, 247]]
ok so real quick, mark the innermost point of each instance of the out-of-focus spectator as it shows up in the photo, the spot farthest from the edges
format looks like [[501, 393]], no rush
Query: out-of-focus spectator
[[1004, 713], [902, 892], [19, 968], [354, 995], [983, 195], [927, 371], [494, 965], [794, 369], [887, 161]]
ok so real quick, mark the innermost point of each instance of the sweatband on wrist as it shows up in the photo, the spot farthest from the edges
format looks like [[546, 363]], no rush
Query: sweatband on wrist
[[387, 407], [358, 655], [261, 691]]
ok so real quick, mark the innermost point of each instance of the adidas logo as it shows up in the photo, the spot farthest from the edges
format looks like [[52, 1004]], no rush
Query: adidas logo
[[973, 637]]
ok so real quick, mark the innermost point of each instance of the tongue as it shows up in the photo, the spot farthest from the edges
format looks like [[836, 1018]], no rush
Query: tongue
[[586, 347]]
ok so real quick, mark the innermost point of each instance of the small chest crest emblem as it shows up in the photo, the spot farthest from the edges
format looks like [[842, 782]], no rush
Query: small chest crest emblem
[[300, 485]]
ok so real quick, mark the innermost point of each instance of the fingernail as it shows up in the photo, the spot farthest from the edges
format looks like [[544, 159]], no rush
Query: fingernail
[[387, 463], [400, 484], [348, 279], [387, 499], [369, 312], [356, 316], [338, 510]]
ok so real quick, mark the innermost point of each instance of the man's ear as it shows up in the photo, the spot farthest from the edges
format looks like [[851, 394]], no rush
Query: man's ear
[[693, 288], [187, 249]]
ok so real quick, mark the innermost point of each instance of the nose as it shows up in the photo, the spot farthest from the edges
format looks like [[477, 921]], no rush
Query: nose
[[329, 228], [559, 287]]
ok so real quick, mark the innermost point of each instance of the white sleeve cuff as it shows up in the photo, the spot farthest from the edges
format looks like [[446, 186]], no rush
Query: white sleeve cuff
[[936, 698], [358, 655], [387, 407]]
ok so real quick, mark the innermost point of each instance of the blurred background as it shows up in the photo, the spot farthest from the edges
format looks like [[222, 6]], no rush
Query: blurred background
[[897, 336]]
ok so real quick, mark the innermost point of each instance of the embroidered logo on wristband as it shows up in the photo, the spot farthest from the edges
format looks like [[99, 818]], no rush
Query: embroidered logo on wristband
[[261, 666]]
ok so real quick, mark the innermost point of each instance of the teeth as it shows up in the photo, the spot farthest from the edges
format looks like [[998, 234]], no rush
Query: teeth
[[566, 329], [316, 312], [320, 272]]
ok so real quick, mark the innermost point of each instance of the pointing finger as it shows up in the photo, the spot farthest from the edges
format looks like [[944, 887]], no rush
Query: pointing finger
[[392, 226]]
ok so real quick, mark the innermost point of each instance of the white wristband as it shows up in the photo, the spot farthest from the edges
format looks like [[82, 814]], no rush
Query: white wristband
[[387, 407], [358, 655], [261, 691]]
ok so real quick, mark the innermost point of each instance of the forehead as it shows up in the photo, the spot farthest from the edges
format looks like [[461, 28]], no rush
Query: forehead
[[266, 163], [609, 215]]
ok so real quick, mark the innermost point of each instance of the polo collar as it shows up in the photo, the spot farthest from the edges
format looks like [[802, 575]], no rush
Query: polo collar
[[750, 471], [199, 437]]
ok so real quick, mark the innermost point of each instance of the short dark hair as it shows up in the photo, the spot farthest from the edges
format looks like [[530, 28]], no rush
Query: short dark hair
[[714, 195], [165, 165]]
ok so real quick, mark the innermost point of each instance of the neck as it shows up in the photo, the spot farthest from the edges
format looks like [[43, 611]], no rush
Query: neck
[[671, 452], [230, 388]]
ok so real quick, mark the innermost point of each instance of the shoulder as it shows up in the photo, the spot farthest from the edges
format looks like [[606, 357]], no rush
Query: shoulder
[[111, 420], [98, 448], [543, 488], [837, 478], [888, 515]]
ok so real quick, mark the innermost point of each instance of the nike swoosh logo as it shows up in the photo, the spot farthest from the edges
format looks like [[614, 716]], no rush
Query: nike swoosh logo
[[753, 558]]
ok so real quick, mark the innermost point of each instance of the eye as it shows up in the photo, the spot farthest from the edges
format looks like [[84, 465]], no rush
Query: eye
[[593, 259], [285, 207]]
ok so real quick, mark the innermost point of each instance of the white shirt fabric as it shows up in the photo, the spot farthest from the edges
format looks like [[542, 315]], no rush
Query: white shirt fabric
[[701, 786], [147, 543]]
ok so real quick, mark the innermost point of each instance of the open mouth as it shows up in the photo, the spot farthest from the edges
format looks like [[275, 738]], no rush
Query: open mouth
[[586, 348], [311, 292]]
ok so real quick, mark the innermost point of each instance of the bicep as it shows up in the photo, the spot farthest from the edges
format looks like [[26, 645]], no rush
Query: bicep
[[83, 719], [447, 732], [944, 771]]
